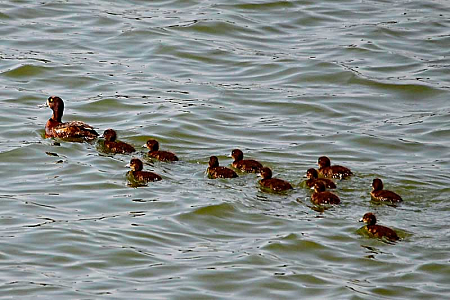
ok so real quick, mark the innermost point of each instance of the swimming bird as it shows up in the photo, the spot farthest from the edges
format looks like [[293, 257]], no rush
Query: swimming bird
[[313, 177], [245, 165], [332, 171], [114, 146], [216, 171], [154, 152], [378, 193], [378, 231], [57, 129], [275, 184], [321, 196], [136, 166]]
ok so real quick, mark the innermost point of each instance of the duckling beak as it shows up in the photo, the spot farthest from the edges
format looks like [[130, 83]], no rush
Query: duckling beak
[[361, 220], [127, 165], [144, 146], [258, 175]]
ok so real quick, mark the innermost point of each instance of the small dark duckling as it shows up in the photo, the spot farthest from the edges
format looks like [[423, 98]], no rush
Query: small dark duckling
[[335, 171], [320, 196], [215, 171], [378, 231], [114, 146], [154, 152], [55, 128], [245, 165], [275, 184], [383, 195], [313, 177], [136, 166]]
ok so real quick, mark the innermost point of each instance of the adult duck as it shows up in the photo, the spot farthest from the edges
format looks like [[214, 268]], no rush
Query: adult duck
[[56, 128]]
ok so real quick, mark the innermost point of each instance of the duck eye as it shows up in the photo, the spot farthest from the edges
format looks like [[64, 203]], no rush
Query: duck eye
[[50, 100]]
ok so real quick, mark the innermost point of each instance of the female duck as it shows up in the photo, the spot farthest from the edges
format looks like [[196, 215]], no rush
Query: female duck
[[335, 171], [114, 146], [313, 177], [245, 165], [275, 184], [215, 171], [57, 129], [383, 195], [154, 152], [136, 166], [320, 196], [378, 231]]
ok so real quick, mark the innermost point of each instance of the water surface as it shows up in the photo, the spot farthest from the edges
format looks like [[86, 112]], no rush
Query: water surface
[[364, 82]]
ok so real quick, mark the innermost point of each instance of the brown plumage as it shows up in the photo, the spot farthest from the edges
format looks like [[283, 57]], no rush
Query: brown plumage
[[321, 196], [313, 175], [136, 166], [69, 130], [245, 165], [155, 153], [114, 146], [215, 171], [275, 184], [378, 193], [378, 231], [332, 171]]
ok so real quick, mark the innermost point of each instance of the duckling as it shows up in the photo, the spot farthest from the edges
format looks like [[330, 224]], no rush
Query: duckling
[[136, 166], [111, 145], [216, 171], [378, 193], [332, 171], [275, 184], [378, 231], [313, 177], [321, 196], [245, 165], [154, 152]]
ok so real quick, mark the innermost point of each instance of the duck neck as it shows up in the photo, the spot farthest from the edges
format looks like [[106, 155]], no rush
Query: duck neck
[[57, 115]]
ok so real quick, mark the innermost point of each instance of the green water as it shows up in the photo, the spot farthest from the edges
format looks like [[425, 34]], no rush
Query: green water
[[364, 82]]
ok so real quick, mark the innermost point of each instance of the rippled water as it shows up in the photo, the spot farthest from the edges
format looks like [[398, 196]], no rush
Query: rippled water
[[364, 82]]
